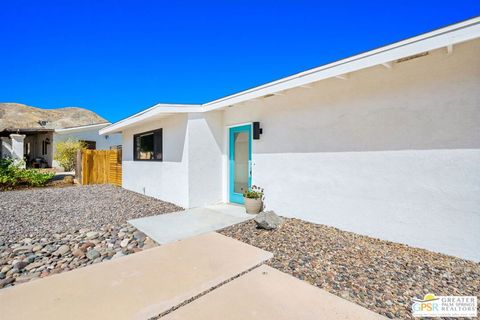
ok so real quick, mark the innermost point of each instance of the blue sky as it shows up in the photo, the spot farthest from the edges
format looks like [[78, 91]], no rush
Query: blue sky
[[119, 57]]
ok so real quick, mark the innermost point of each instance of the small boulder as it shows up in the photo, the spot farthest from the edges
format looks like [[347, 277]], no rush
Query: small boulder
[[117, 255], [49, 248], [34, 265], [22, 250], [148, 244], [5, 269], [93, 254], [84, 247], [20, 265], [139, 236], [6, 282], [268, 220], [124, 242], [78, 253], [64, 249], [92, 235], [37, 247]]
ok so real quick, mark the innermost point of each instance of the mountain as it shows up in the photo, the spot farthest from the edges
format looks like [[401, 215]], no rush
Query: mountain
[[20, 116]]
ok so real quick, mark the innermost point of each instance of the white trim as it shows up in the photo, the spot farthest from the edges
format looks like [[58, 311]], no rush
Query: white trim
[[240, 124], [157, 111], [81, 128], [440, 38]]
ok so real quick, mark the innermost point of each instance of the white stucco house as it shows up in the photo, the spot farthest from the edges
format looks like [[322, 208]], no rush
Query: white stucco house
[[37, 145], [385, 143]]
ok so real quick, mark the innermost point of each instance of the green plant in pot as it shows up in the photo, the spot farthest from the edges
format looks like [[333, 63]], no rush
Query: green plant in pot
[[253, 200]]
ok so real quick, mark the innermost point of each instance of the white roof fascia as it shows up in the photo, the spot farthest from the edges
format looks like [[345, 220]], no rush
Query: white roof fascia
[[443, 37], [81, 128], [156, 110]]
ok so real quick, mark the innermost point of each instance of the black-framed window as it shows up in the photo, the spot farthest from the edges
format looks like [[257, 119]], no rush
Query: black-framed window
[[148, 146], [90, 145]]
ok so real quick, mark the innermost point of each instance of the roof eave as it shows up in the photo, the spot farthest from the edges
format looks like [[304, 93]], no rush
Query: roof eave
[[159, 111], [461, 32]]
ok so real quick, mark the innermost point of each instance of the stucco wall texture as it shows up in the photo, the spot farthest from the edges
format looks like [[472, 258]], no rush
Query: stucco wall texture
[[390, 153]]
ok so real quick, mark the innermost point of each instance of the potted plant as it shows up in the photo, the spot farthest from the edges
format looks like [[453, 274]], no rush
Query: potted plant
[[253, 200]]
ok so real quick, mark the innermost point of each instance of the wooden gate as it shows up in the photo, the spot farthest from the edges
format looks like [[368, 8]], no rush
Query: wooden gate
[[101, 166]]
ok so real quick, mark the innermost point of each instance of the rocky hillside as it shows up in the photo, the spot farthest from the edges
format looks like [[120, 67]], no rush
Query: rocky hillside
[[16, 115]]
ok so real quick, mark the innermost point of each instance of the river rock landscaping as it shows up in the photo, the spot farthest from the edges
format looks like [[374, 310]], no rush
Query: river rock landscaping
[[52, 230], [380, 275]]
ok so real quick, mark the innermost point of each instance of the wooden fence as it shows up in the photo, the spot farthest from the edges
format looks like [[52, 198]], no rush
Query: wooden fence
[[100, 167]]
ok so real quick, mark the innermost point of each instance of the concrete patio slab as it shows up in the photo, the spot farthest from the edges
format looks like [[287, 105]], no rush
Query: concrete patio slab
[[137, 286], [166, 228], [269, 294]]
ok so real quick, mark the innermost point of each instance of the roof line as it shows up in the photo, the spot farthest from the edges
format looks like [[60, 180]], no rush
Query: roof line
[[85, 125], [153, 108], [432, 40], [365, 54]]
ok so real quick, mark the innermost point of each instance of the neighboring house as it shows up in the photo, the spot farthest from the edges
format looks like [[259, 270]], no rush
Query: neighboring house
[[37, 145], [385, 143]]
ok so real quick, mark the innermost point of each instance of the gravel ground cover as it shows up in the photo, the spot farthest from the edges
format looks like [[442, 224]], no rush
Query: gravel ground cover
[[380, 275], [52, 230]]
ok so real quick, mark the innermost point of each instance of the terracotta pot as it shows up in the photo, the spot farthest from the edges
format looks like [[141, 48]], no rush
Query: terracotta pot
[[253, 206]]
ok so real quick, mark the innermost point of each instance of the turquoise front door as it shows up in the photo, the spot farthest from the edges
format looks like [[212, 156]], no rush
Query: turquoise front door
[[240, 157]]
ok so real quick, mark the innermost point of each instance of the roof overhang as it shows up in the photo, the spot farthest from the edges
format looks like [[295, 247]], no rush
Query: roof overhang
[[156, 112], [81, 128], [7, 131], [441, 38]]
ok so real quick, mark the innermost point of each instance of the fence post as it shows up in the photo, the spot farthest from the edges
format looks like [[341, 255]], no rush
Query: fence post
[[78, 167]]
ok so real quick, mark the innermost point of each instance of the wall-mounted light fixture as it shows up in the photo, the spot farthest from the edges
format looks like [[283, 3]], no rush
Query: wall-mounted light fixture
[[257, 131]]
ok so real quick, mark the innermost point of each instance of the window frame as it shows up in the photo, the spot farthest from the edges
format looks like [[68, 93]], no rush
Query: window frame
[[135, 156]]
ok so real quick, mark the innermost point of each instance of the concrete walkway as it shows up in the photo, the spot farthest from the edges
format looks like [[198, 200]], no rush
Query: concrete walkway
[[266, 293], [166, 228], [138, 286], [176, 280]]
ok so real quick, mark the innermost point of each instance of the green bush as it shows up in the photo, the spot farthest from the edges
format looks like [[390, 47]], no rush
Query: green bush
[[66, 153], [12, 175]]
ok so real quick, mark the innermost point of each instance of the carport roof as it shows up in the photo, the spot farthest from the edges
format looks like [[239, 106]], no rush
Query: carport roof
[[6, 132]]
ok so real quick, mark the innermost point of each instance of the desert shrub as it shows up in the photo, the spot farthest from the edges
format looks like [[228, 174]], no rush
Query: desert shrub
[[66, 153], [13, 175], [8, 173]]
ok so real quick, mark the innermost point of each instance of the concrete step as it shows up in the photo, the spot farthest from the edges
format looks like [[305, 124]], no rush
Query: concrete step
[[166, 228]]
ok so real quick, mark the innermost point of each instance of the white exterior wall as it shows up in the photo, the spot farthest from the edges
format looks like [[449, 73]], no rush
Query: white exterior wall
[[390, 153], [102, 142], [205, 138], [17, 148], [167, 179], [6, 147]]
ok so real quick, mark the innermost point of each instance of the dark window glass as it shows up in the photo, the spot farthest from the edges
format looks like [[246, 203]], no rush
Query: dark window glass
[[90, 145], [148, 146]]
